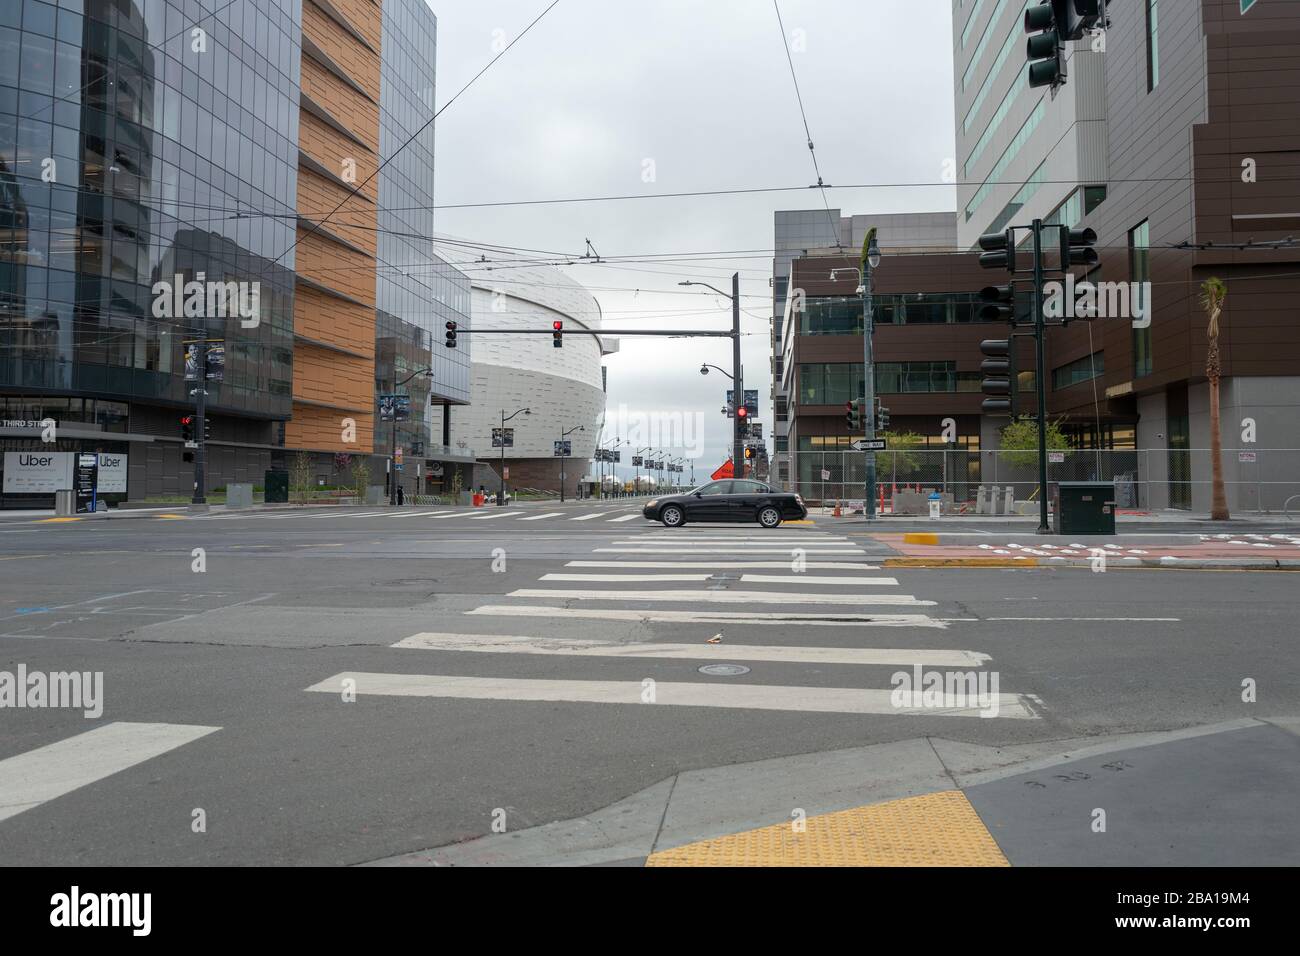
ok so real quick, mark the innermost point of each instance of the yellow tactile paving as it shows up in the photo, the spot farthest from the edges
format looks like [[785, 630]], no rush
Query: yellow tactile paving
[[937, 829], [55, 520]]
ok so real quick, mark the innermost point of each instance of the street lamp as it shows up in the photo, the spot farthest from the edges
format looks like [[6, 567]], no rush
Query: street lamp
[[637, 481], [563, 457], [501, 498], [392, 447], [870, 260], [737, 376]]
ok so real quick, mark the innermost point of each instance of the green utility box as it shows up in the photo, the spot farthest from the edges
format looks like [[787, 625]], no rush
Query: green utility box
[[1083, 507], [277, 487]]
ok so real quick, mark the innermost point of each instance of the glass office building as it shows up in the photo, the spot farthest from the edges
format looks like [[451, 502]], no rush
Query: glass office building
[[146, 142], [417, 292]]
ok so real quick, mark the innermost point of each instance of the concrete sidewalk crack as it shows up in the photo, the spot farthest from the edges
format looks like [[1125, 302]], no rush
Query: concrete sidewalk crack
[[654, 844]]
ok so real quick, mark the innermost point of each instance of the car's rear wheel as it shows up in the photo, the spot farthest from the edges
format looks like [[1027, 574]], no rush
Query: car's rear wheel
[[769, 516], [672, 516]]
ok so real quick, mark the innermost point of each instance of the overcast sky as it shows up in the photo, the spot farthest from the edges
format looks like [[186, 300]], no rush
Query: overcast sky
[[600, 89]]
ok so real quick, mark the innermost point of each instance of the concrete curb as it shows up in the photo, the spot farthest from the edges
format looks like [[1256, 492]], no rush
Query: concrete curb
[[1115, 563], [719, 801]]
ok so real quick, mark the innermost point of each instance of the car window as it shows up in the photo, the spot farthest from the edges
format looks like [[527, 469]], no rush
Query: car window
[[749, 488], [716, 488]]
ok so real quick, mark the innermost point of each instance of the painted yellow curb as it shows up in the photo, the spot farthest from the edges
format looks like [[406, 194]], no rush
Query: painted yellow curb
[[938, 562], [937, 829], [920, 537], [164, 517], [56, 520], [798, 521]]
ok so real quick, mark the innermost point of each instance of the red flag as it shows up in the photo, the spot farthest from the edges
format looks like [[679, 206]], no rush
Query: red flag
[[726, 471]]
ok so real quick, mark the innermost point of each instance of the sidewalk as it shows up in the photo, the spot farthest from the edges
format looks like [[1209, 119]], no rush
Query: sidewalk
[[1221, 794]]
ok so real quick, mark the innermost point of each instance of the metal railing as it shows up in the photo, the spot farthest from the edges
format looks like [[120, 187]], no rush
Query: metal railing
[[1255, 480]]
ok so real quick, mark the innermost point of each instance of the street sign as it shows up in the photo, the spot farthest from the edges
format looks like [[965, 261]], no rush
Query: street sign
[[84, 480], [1246, 457], [869, 444], [826, 475], [636, 460], [563, 449], [394, 408], [503, 438], [1056, 457]]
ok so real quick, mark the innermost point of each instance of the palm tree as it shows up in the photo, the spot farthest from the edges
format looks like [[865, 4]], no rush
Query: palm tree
[[1213, 293]]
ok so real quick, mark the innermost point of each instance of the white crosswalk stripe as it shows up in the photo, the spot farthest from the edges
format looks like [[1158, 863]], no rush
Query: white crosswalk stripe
[[29, 779], [568, 647], [624, 586], [839, 700], [631, 517], [589, 516], [552, 514], [495, 514]]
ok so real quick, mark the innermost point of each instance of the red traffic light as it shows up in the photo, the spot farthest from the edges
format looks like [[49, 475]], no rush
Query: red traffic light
[[557, 325], [742, 411], [187, 419]]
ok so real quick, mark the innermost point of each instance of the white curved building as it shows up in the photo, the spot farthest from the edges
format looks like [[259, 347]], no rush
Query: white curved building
[[563, 387]]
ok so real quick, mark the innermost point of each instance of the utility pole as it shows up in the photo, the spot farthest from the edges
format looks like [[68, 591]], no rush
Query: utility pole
[[737, 441], [1039, 376], [870, 259], [200, 425]]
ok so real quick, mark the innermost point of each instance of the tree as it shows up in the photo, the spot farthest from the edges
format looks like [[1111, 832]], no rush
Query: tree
[[300, 477], [899, 458], [1019, 441], [360, 477], [1213, 294]]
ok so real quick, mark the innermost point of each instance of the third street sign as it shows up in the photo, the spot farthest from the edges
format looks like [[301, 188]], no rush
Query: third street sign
[[872, 444]]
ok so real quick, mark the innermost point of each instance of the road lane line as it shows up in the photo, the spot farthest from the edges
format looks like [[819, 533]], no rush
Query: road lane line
[[511, 644], [826, 700], [29, 779], [702, 616], [720, 597], [727, 566], [813, 579], [624, 578], [723, 550]]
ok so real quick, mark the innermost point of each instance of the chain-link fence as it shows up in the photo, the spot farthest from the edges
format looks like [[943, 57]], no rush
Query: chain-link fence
[[1255, 480]]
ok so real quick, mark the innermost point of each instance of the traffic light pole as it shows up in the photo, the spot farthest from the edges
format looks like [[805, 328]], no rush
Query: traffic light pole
[[737, 442], [200, 426], [1038, 376], [869, 389]]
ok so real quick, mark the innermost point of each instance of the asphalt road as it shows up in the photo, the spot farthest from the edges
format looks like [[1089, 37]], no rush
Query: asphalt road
[[516, 694]]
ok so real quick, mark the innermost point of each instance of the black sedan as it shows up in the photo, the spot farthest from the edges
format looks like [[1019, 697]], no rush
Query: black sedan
[[728, 500]]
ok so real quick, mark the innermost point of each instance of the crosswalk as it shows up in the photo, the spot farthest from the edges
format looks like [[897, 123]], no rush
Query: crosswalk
[[399, 516], [681, 614]]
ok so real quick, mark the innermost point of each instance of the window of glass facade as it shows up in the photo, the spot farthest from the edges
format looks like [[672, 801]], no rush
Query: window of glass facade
[[899, 377], [1014, 42], [1153, 44], [1139, 250], [825, 383], [165, 161], [1080, 370], [1008, 155]]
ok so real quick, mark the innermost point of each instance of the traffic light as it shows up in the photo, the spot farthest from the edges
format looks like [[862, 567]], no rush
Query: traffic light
[[187, 428], [999, 250], [207, 428], [1077, 247], [1048, 23], [999, 303], [1080, 17], [882, 417], [451, 334], [999, 376], [557, 337], [742, 413], [853, 415], [749, 452]]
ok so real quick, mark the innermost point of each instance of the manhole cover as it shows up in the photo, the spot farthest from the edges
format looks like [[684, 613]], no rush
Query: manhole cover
[[724, 670]]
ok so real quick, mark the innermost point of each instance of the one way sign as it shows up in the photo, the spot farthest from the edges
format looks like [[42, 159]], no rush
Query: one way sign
[[869, 444]]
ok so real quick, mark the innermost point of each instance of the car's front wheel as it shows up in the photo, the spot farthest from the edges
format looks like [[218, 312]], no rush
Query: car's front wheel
[[672, 516], [769, 516]]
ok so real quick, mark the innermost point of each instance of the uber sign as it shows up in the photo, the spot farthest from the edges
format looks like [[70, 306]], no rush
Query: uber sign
[[37, 472]]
